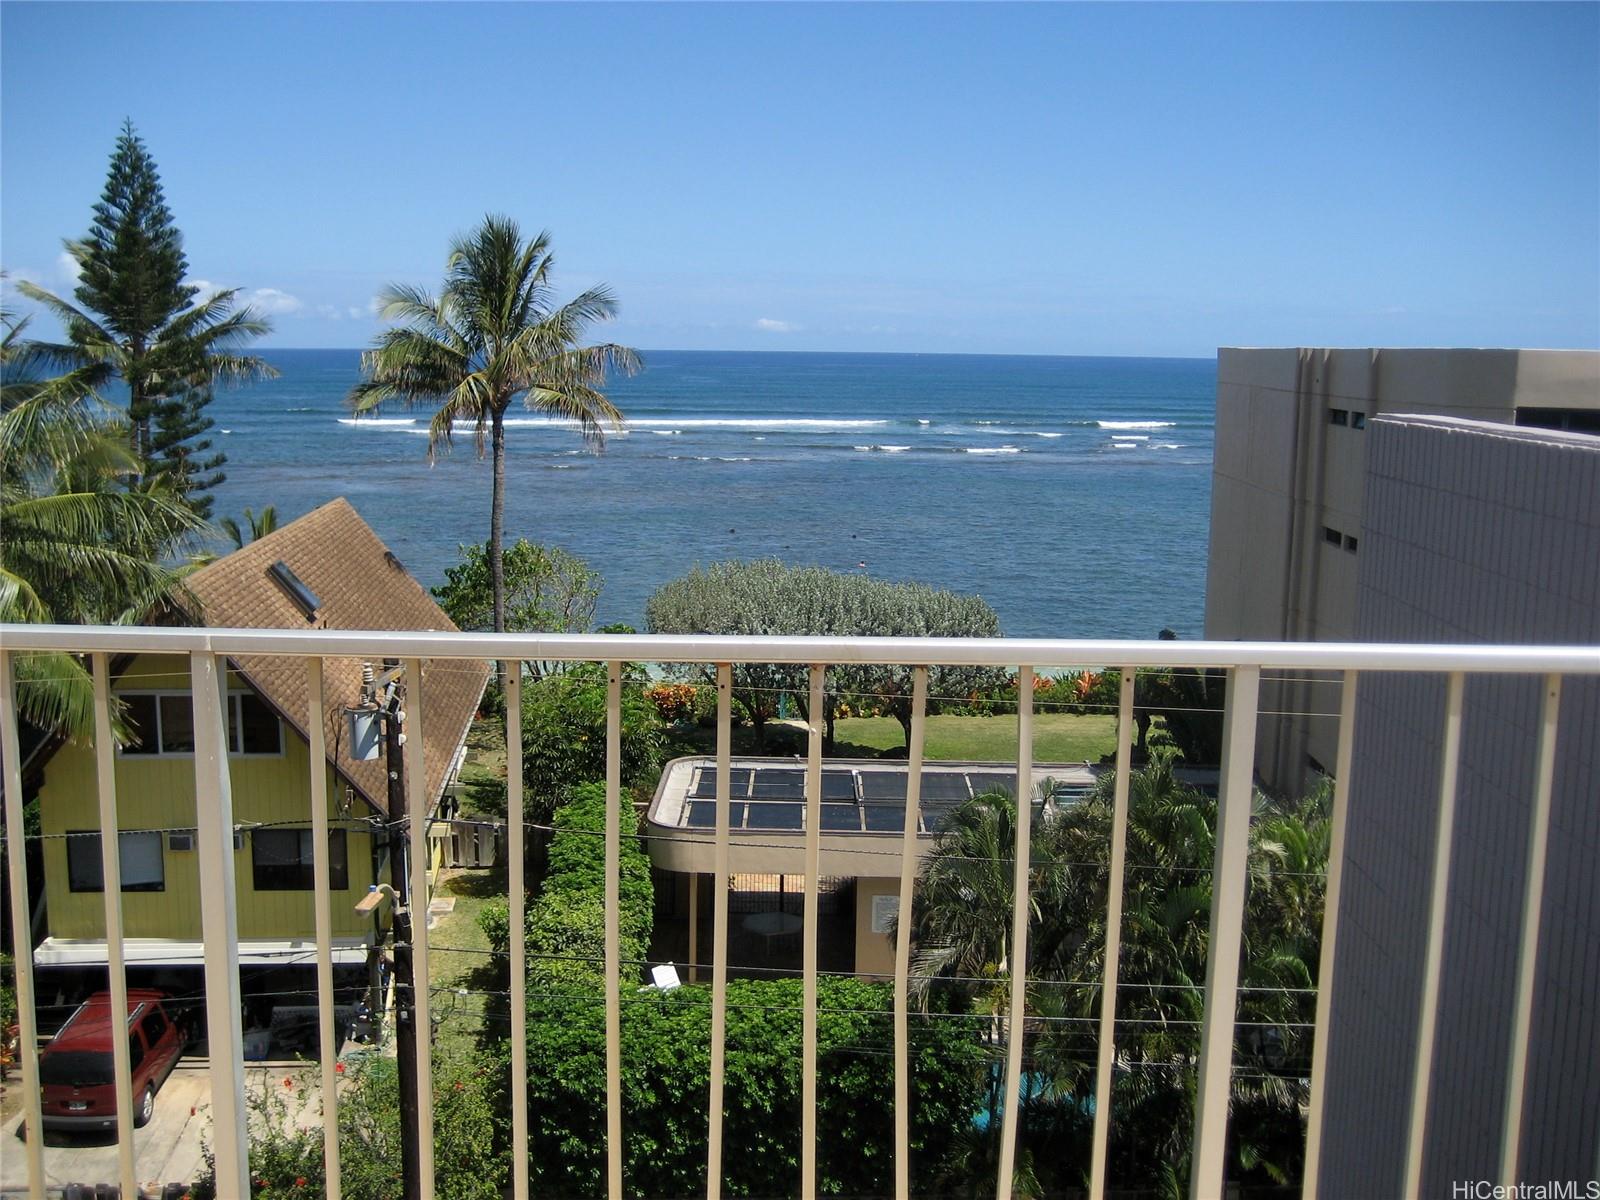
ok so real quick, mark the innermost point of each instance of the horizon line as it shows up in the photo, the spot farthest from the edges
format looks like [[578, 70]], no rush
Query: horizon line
[[859, 353]]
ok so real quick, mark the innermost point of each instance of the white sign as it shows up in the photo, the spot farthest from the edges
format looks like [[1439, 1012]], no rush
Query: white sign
[[884, 911]]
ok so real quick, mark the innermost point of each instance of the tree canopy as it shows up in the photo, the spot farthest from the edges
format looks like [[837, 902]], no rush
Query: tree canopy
[[136, 322], [547, 589], [77, 545], [769, 597]]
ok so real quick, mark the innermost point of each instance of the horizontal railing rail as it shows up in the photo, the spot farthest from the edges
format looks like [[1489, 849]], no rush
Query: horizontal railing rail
[[1047, 653], [207, 650]]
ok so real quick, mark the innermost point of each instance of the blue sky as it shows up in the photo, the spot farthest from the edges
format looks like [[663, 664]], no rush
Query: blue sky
[[1055, 179]]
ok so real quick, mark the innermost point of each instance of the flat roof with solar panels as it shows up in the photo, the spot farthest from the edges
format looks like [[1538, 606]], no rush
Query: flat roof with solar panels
[[863, 809]]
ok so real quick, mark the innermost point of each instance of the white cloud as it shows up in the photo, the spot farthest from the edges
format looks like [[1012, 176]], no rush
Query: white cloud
[[357, 312], [68, 266], [205, 288], [15, 275], [769, 325], [273, 302], [329, 312], [374, 306]]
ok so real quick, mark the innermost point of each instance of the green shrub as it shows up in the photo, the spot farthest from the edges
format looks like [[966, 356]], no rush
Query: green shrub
[[665, 1085], [565, 926], [286, 1159], [564, 737], [705, 708]]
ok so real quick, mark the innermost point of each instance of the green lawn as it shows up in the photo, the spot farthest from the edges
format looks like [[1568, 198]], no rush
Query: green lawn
[[456, 959], [483, 769], [1057, 737]]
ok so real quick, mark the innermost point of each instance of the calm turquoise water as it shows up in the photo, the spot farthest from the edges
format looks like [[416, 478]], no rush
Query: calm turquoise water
[[1072, 493]]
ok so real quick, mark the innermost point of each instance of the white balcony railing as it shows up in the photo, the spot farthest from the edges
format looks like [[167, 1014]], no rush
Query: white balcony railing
[[208, 650]]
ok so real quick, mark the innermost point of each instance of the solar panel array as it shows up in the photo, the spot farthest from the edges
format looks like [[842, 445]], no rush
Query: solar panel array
[[861, 800]]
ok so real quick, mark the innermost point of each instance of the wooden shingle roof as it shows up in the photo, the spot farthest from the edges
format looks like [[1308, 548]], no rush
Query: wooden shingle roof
[[358, 584]]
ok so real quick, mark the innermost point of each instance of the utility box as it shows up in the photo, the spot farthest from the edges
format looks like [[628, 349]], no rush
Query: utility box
[[366, 733]]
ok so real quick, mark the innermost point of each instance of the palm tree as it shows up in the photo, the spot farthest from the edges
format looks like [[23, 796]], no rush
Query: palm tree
[[962, 911], [78, 546], [493, 334], [962, 926], [260, 524]]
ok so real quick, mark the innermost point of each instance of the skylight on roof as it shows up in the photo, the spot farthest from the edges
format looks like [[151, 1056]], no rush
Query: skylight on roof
[[304, 598]]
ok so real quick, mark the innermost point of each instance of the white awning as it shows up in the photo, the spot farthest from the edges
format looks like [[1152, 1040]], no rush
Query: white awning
[[168, 952]]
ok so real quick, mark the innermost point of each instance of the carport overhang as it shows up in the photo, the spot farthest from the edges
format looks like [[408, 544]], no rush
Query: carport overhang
[[166, 952]]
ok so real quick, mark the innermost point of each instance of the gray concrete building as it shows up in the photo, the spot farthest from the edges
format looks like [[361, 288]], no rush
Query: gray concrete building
[[1288, 510], [1470, 532]]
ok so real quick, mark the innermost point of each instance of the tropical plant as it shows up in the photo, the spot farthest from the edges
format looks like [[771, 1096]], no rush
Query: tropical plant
[[1189, 702], [259, 524], [961, 935], [564, 736], [135, 322], [565, 925], [8, 1014], [77, 547], [666, 1058], [286, 1160], [770, 597], [547, 589], [494, 334]]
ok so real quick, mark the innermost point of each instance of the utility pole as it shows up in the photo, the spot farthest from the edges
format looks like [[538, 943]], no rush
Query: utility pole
[[405, 984]]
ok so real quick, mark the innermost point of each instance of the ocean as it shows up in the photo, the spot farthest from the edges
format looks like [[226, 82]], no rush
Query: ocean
[[1071, 493]]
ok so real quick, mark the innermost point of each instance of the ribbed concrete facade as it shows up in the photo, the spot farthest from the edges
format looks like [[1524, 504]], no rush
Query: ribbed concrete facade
[[1472, 533], [1288, 514]]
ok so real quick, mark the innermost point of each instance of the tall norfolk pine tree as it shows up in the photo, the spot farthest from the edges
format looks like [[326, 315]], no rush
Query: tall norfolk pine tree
[[135, 321], [131, 268]]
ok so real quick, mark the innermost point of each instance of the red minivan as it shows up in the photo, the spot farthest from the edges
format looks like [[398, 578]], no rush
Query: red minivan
[[78, 1086]]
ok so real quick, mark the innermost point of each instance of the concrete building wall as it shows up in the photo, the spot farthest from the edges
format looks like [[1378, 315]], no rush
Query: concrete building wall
[[874, 951], [1479, 534], [1288, 506]]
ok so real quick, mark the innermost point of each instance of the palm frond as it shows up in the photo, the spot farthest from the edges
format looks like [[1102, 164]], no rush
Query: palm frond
[[55, 692]]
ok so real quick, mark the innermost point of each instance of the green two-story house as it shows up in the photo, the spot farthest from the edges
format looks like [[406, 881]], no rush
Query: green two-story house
[[326, 570]]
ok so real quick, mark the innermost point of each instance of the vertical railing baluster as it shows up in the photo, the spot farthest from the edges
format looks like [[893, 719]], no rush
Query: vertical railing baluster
[[613, 864], [1018, 957], [21, 932], [694, 927], [808, 1051], [1428, 1010], [1528, 944], [1229, 876], [1339, 819], [317, 735], [517, 886], [1113, 950], [417, 803], [719, 935], [111, 894], [219, 924], [902, 935]]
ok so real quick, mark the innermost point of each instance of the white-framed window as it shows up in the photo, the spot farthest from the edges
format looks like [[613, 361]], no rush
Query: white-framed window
[[163, 724], [139, 855]]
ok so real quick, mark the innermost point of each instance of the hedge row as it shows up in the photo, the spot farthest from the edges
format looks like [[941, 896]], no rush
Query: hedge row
[[565, 926], [666, 1055]]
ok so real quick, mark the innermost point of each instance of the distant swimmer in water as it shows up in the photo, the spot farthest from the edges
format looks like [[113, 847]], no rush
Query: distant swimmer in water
[[862, 564]]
